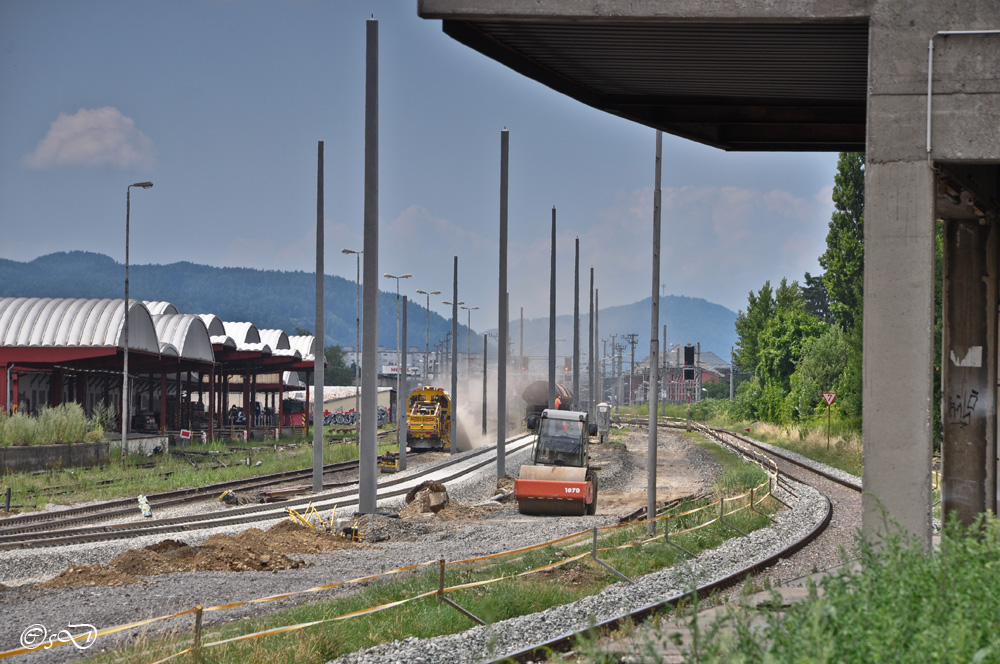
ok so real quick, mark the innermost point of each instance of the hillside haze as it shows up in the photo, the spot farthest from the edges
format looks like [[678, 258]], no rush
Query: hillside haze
[[286, 301]]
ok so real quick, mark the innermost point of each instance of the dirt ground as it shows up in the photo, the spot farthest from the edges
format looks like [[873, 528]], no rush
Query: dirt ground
[[682, 470]]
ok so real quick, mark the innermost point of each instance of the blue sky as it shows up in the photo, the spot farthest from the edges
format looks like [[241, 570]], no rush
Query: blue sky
[[221, 104]]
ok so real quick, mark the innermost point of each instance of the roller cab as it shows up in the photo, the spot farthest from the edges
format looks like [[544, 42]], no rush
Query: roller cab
[[559, 480]]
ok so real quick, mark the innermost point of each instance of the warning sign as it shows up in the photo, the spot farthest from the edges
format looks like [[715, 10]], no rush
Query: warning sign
[[829, 398], [186, 434]]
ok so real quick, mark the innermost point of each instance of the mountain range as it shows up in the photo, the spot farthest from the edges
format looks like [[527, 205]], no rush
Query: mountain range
[[286, 300]]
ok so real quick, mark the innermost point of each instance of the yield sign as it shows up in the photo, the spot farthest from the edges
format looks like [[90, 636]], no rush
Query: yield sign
[[829, 398]]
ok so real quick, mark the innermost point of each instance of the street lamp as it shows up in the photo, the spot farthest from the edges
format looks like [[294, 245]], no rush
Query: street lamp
[[399, 392], [427, 338], [357, 344], [468, 335], [125, 415]]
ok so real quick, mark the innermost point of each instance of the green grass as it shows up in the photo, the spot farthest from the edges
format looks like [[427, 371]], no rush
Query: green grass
[[843, 451], [73, 485], [65, 423], [904, 605], [494, 602]]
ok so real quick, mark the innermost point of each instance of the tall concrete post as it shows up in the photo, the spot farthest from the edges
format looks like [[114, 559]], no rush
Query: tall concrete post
[[320, 360], [654, 347], [576, 328], [503, 329], [597, 335], [403, 393], [591, 351], [454, 360], [368, 453], [552, 316]]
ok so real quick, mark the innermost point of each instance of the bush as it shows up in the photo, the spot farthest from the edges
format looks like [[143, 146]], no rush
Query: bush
[[66, 423]]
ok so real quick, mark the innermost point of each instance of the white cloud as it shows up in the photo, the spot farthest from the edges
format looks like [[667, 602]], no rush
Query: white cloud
[[718, 242], [93, 137]]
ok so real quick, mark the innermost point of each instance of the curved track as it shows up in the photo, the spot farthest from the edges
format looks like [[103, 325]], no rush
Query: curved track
[[824, 482], [55, 533]]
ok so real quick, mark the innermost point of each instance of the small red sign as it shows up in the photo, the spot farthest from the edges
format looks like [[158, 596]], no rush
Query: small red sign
[[185, 434], [829, 398]]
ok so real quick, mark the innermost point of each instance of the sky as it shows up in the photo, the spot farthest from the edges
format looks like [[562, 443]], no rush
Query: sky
[[222, 103]]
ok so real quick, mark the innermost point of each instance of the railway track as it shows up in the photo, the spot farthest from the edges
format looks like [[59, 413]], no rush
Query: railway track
[[124, 507], [56, 533], [845, 493]]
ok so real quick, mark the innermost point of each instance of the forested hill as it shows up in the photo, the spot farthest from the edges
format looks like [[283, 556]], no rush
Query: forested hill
[[286, 300], [267, 298]]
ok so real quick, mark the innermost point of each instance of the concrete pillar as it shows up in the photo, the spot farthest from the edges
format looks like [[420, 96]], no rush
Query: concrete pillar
[[897, 374], [969, 365], [915, 125]]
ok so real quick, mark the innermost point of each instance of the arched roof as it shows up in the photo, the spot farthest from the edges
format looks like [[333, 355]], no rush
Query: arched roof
[[276, 339], [187, 334], [74, 322], [156, 308], [214, 325], [243, 333], [305, 344]]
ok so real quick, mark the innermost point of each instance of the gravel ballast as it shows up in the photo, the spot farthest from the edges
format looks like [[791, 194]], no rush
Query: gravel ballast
[[419, 541]]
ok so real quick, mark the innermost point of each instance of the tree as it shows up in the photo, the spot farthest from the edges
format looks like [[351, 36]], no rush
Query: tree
[[844, 258], [820, 370], [760, 308], [816, 298], [337, 371]]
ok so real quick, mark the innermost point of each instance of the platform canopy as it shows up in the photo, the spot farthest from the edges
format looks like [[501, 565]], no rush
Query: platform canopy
[[751, 75]]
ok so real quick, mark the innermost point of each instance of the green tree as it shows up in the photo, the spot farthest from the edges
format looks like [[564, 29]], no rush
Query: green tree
[[820, 370], [782, 343], [760, 308], [337, 370], [816, 298], [844, 258]]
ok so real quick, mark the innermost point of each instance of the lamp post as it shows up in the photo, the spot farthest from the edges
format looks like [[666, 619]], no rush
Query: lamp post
[[357, 343], [399, 394], [468, 336], [125, 415], [427, 338]]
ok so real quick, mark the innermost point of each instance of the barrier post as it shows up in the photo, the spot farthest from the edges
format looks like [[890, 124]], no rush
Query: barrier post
[[722, 515], [777, 486], [441, 597], [593, 554], [666, 538], [196, 648]]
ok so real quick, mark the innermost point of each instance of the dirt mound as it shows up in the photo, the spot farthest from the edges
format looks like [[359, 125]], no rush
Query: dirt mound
[[89, 575], [252, 550]]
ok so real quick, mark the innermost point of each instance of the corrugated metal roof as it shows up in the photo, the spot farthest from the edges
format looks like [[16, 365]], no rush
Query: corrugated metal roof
[[214, 325], [187, 334], [305, 344], [75, 322], [276, 339], [243, 333], [158, 307]]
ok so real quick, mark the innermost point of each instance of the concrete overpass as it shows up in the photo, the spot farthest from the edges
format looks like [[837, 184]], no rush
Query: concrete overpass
[[915, 85]]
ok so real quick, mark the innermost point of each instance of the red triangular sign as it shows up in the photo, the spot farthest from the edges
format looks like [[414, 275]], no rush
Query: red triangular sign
[[829, 398]]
